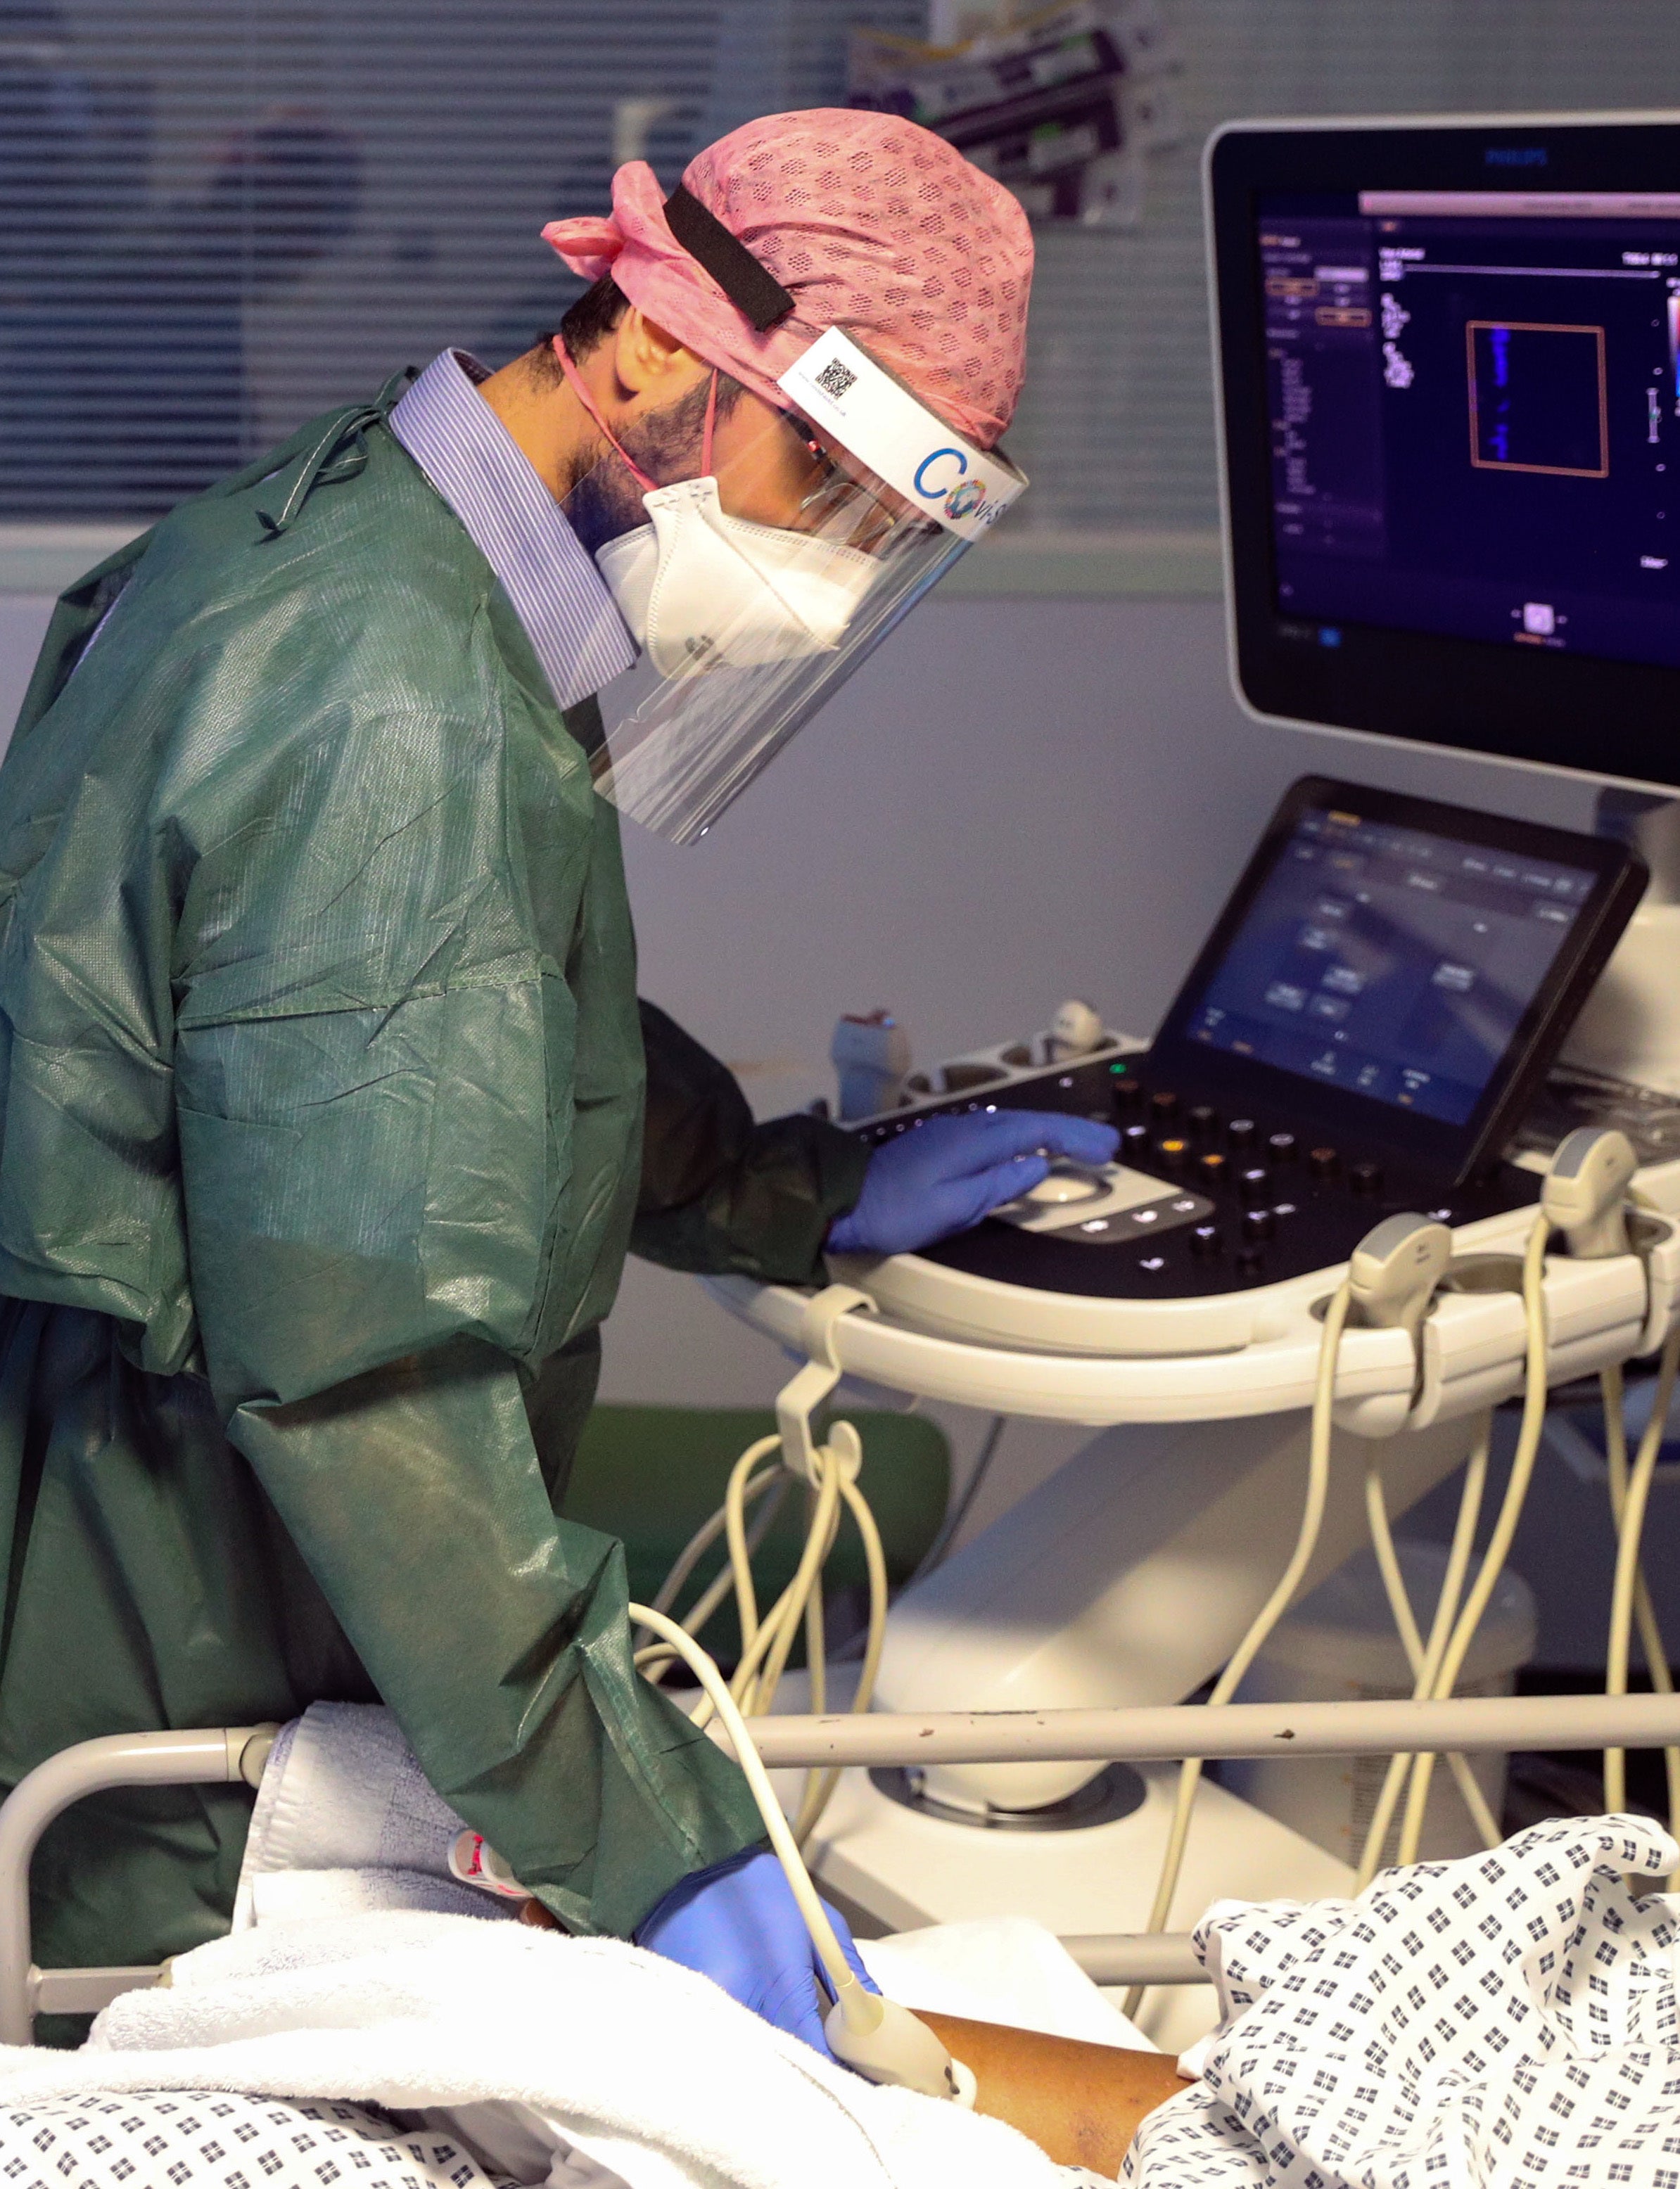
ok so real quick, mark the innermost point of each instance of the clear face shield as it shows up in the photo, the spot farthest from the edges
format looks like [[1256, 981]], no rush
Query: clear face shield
[[755, 590]]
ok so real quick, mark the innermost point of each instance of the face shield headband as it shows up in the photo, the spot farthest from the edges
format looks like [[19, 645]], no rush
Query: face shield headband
[[755, 590]]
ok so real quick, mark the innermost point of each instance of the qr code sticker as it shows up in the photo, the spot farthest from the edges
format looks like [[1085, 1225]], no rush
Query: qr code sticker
[[835, 378]]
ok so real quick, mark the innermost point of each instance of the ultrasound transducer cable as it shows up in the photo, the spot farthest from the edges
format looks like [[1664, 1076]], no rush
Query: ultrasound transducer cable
[[1440, 1629], [1630, 1490], [829, 1470], [1306, 1542], [1425, 1658], [876, 2036]]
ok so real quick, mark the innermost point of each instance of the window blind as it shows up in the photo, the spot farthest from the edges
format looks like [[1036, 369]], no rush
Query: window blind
[[220, 216]]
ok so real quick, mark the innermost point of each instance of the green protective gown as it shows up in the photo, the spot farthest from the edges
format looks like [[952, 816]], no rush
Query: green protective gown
[[321, 1122]]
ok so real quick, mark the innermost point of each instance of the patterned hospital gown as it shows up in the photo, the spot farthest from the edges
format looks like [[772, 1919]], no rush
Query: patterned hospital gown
[[220, 2140], [1507, 2019]]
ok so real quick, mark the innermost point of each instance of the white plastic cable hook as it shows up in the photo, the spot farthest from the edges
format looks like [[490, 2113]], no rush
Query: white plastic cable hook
[[797, 1401]]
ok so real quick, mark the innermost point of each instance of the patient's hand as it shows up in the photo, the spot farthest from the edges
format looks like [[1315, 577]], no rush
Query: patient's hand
[[1079, 2103]]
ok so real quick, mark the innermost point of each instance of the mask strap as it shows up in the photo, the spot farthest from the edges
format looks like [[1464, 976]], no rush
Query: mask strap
[[711, 420], [574, 381]]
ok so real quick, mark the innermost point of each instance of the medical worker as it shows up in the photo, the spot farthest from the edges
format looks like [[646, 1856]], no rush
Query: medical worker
[[329, 1113]]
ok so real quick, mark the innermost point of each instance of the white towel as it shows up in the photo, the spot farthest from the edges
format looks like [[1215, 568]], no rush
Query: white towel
[[587, 2045], [999, 1968], [345, 1820], [345, 1823]]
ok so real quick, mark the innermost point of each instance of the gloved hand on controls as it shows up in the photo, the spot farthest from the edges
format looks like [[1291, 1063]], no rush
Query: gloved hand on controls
[[944, 1175], [740, 1925]]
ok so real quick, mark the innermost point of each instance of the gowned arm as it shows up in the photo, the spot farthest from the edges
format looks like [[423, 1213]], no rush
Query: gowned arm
[[722, 1194], [497, 1634], [408, 1131], [370, 1233]]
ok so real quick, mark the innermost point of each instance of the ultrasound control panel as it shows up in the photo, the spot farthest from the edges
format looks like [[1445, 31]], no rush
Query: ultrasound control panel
[[1362, 1033], [1203, 1199]]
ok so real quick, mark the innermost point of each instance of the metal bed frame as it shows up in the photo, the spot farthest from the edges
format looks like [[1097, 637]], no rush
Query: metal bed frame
[[229, 1755]]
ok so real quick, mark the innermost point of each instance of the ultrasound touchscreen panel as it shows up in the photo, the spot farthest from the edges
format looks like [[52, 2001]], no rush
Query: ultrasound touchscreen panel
[[1387, 961], [1474, 406]]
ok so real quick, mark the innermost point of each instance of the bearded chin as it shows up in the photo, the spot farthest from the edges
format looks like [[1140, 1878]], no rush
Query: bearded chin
[[605, 503], [666, 444]]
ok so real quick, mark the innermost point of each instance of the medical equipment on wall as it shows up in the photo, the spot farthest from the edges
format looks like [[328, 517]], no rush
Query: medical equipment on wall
[[1062, 103]]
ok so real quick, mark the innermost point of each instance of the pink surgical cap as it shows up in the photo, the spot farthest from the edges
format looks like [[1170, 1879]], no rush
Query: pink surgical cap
[[872, 223]]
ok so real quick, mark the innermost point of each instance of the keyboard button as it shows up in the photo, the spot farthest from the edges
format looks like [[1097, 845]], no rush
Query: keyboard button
[[1366, 1178], [1323, 1162]]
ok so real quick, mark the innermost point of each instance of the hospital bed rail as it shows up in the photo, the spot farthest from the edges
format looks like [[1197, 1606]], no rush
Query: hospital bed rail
[[1148, 1734], [219, 1757]]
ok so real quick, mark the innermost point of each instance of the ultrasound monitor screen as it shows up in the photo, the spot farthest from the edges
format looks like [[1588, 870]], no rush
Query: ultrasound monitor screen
[[1475, 400], [1388, 962]]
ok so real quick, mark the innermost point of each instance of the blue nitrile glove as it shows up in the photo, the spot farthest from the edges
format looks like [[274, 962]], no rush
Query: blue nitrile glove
[[942, 1176], [740, 1925]]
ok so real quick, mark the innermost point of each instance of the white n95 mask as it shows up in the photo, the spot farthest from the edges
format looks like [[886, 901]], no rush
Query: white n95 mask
[[701, 590]]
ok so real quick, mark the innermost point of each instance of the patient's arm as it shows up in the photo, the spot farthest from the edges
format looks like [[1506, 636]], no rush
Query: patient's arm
[[1080, 2103]]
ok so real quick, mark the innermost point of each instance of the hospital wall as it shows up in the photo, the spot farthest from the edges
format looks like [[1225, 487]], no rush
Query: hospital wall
[[1016, 800]]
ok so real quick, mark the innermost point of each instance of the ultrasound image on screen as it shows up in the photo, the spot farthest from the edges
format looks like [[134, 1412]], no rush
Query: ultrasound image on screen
[[1389, 962], [1474, 406]]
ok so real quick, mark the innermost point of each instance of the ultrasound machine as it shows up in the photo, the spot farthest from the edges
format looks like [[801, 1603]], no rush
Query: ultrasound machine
[[1448, 365]]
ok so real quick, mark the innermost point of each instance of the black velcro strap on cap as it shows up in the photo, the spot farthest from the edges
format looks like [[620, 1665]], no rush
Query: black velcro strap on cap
[[751, 287]]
